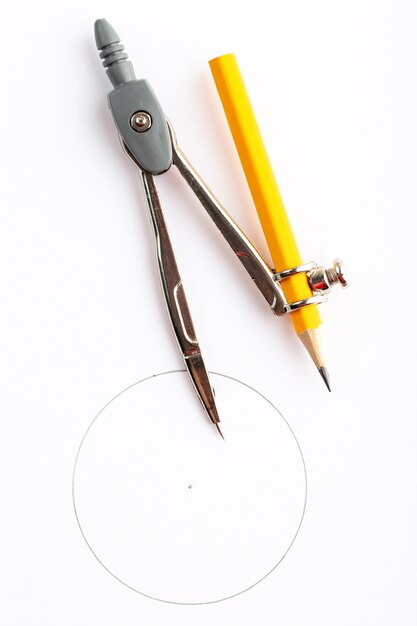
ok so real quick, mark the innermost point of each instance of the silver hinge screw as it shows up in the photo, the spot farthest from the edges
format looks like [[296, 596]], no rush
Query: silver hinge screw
[[141, 121]]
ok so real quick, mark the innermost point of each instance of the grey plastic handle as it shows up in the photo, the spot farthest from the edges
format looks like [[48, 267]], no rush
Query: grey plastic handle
[[151, 150]]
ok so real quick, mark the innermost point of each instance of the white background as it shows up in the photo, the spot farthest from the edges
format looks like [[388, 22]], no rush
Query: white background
[[175, 512], [334, 88]]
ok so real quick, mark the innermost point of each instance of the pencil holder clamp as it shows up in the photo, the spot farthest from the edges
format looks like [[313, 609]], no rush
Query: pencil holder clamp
[[320, 279]]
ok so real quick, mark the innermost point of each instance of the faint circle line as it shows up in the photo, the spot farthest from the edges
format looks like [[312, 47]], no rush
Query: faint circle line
[[146, 595]]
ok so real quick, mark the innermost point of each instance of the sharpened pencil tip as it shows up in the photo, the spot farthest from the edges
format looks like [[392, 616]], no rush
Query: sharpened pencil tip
[[218, 428], [325, 376]]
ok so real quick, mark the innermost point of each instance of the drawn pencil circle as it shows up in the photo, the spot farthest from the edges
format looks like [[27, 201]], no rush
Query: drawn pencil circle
[[173, 512]]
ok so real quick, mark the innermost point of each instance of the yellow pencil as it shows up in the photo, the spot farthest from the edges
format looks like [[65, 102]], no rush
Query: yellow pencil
[[267, 199]]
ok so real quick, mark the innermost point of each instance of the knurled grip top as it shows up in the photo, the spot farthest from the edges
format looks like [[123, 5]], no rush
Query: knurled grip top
[[119, 69], [149, 147]]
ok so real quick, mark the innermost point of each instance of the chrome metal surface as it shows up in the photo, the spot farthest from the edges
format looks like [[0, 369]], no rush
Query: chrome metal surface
[[315, 299], [306, 268], [322, 279], [257, 268], [319, 278], [336, 273], [178, 310], [141, 121], [299, 269]]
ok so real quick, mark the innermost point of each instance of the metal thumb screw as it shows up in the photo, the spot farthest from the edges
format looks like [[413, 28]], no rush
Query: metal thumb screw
[[322, 279], [336, 274]]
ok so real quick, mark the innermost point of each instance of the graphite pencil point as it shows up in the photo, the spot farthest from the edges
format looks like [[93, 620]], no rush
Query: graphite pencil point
[[325, 376]]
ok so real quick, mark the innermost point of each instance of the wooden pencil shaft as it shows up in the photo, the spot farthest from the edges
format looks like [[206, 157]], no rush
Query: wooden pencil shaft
[[263, 186]]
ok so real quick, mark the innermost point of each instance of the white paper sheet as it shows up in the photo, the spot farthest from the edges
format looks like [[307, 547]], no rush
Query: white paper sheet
[[82, 318]]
